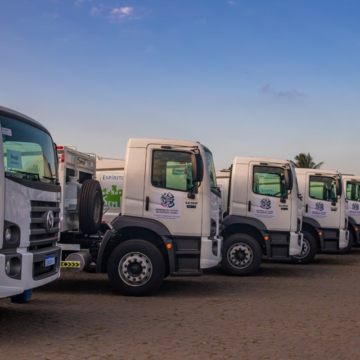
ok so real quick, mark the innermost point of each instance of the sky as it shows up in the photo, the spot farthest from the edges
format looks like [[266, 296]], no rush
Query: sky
[[264, 78]]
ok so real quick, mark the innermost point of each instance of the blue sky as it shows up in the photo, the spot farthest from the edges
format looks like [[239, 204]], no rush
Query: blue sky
[[246, 78]]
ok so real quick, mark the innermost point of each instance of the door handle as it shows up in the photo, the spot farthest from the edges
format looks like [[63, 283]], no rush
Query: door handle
[[306, 208], [249, 206], [147, 203]]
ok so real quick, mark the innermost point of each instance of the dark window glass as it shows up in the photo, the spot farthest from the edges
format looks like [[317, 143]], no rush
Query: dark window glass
[[269, 181], [322, 188], [352, 191], [172, 170]]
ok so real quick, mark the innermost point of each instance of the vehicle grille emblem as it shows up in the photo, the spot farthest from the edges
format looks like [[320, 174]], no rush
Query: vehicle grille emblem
[[49, 220]]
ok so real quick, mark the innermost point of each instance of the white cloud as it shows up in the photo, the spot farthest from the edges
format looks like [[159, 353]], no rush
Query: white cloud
[[121, 13], [231, 2]]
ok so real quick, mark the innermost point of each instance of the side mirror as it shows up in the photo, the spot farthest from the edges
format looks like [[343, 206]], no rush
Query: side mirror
[[338, 187], [197, 168], [288, 179]]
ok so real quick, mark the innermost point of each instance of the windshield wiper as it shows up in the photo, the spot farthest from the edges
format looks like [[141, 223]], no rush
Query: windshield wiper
[[30, 175], [49, 178]]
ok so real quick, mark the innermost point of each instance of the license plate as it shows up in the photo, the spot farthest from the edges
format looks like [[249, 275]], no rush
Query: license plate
[[49, 260]]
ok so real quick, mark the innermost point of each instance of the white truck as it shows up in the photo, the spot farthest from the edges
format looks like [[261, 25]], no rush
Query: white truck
[[262, 213], [325, 220], [352, 191], [29, 211], [169, 221]]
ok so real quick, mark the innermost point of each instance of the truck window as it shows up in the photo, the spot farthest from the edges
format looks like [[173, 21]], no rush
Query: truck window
[[211, 168], [322, 188], [28, 151], [172, 170], [352, 191], [269, 181]]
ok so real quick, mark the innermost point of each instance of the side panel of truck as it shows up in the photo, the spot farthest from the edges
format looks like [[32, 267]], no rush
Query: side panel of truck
[[321, 210], [264, 207], [112, 184], [165, 191]]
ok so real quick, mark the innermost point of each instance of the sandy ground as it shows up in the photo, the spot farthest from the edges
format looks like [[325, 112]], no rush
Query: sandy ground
[[284, 312]]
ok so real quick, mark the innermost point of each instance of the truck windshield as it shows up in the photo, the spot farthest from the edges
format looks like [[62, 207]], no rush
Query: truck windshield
[[211, 167], [353, 191], [323, 188], [28, 151]]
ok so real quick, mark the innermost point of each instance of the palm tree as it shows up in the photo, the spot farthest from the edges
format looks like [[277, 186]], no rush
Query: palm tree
[[306, 161]]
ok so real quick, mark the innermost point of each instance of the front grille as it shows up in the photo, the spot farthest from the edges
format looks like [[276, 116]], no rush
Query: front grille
[[40, 235]]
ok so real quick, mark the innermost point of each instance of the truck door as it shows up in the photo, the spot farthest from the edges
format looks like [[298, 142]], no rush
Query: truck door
[[168, 179], [321, 200], [266, 187]]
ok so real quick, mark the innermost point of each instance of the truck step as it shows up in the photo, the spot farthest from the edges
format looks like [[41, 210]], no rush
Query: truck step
[[185, 272], [187, 252]]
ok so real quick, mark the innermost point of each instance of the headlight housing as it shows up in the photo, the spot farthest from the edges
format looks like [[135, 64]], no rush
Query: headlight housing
[[11, 235], [7, 234], [213, 228]]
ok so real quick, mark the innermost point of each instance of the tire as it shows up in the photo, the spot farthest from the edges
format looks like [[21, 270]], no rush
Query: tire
[[348, 248], [241, 255], [22, 298], [90, 207], [138, 253], [308, 251]]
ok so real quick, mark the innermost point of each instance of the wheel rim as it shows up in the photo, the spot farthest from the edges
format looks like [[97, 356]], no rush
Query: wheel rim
[[240, 255], [304, 251], [135, 269]]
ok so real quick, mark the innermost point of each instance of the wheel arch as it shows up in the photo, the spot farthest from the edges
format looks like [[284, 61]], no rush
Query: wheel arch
[[128, 229], [310, 225], [249, 226]]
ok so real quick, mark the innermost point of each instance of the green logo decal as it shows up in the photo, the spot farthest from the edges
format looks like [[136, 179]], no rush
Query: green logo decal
[[112, 197]]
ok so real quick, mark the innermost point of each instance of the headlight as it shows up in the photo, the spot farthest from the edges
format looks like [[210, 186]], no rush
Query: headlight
[[8, 267], [13, 267], [8, 234]]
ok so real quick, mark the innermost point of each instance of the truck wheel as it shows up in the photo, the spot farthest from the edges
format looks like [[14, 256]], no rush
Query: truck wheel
[[22, 298], [90, 207], [348, 248], [136, 268], [308, 251], [241, 255]]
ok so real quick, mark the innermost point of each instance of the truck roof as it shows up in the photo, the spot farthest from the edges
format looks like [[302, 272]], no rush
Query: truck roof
[[144, 142], [19, 116], [104, 163], [247, 159], [351, 177], [316, 171]]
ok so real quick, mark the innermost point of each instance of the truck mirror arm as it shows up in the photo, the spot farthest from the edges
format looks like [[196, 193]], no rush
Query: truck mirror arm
[[193, 191]]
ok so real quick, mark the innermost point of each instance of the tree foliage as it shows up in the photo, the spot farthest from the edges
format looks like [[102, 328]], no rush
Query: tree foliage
[[306, 161]]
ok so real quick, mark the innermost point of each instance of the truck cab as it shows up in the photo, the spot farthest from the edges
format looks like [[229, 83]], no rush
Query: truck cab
[[169, 221], [262, 213], [352, 191], [29, 208], [325, 219]]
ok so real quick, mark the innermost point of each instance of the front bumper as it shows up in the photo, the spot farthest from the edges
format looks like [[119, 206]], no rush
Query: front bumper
[[30, 274], [296, 242], [211, 251]]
